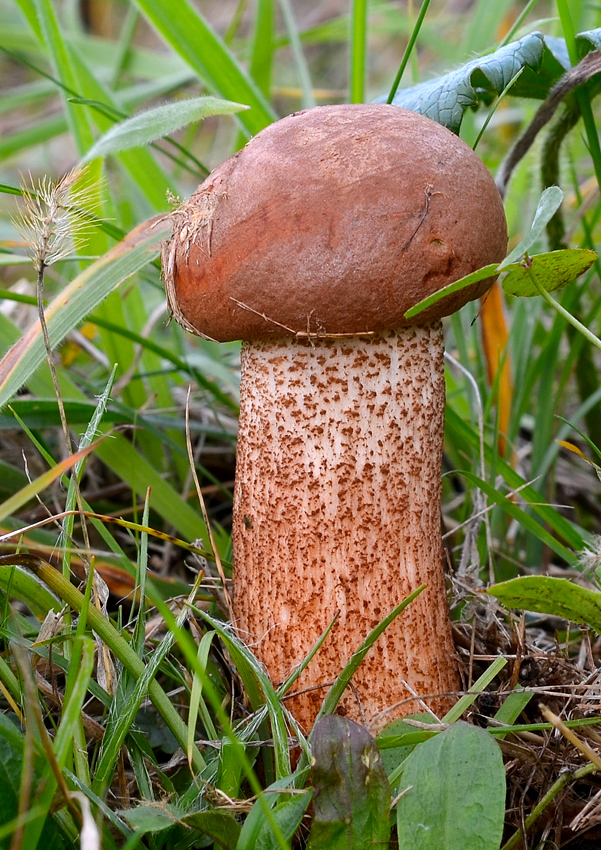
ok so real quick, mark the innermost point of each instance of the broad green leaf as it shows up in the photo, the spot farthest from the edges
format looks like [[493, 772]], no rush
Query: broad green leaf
[[146, 127], [588, 40], [548, 204], [556, 596], [481, 274], [445, 99], [78, 299], [391, 740], [150, 818], [222, 827], [352, 794], [455, 793], [542, 60], [553, 270]]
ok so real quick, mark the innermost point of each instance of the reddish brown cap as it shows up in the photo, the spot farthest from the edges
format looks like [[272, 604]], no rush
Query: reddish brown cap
[[334, 220]]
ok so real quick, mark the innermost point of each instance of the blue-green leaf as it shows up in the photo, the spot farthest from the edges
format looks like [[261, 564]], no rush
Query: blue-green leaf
[[542, 60], [445, 99]]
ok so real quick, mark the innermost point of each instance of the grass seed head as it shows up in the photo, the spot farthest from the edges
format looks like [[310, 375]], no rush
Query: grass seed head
[[54, 218]]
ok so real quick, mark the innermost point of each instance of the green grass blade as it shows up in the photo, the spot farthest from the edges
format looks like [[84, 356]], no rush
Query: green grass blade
[[462, 434], [262, 49], [479, 685], [152, 124], [338, 688], [138, 473], [72, 708], [111, 637], [253, 673], [77, 300], [196, 701], [408, 50], [16, 501], [123, 713], [301, 65], [30, 590], [64, 70], [358, 50], [524, 519], [191, 37]]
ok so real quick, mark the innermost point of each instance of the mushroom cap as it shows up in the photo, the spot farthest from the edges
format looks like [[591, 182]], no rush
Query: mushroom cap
[[334, 220]]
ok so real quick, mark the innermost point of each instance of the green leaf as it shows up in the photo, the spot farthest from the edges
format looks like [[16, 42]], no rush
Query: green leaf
[[548, 204], [455, 793], [259, 690], [445, 99], [481, 274], [352, 794], [553, 270], [335, 693], [222, 827], [394, 752], [257, 832], [183, 27], [556, 596], [21, 584], [288, 814], [462, 434], [11, 761], [541, 59], [149, 818], [522, 517], [146, 127]]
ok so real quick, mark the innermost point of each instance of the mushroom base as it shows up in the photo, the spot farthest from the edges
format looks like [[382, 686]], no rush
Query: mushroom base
[[337, 511]]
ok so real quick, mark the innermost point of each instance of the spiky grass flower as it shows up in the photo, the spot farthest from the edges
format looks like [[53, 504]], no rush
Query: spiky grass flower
[[589, 558], [53, 221], [54, 218]]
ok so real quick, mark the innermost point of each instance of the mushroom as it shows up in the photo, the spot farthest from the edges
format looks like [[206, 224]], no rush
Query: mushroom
[[310, 244]]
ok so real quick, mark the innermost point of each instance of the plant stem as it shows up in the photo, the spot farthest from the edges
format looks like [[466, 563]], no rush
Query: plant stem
[[408, 50], [589, 335], [358, 48]]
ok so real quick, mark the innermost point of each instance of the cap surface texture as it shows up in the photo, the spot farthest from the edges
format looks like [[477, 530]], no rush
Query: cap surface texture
[[331, 221]]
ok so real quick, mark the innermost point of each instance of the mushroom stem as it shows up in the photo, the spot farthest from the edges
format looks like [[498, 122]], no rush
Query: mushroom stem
[[337, 508]]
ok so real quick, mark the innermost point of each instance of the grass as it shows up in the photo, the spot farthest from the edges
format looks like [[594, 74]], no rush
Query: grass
[[120, 679]]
